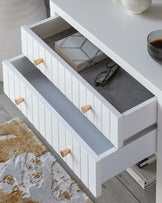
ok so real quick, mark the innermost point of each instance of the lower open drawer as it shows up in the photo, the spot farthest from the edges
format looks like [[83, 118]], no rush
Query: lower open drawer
[[91, 156]]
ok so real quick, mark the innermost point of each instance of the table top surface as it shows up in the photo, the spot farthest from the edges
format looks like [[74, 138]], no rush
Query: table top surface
[[120, 35]]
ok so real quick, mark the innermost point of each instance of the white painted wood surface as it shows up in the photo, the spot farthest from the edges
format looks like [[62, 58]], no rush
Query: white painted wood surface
[[5, 75], [147, 113], [24, 95], [36, 117], [69, 158], [91, 168], [84, 167], [48, 120], [55, 133], [42, 128], [11, 85], [17, 89], [29, 107], [61, 78], [133, 152], [119, 126], [42, 66]]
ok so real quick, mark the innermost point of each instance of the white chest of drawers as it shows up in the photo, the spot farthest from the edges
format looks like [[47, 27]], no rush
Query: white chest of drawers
[[101, 143], [116, 126], [93, 158]]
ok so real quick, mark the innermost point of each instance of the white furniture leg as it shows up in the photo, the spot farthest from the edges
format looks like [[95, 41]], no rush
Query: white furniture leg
[[159, 153]]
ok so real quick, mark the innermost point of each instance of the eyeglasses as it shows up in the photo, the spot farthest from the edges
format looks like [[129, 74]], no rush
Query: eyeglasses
[[103, 77]]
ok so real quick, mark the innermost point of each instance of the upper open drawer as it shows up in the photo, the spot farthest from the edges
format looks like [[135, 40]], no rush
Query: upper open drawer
[[120, 110]]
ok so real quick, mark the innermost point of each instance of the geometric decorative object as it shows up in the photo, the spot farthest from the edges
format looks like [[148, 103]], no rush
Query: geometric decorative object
[[78, 51]]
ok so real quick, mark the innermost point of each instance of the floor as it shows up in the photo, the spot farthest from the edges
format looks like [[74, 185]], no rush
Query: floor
[[120, 189]]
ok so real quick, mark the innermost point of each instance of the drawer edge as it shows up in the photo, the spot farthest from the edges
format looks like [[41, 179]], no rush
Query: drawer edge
[[146, 114], [120, 160]]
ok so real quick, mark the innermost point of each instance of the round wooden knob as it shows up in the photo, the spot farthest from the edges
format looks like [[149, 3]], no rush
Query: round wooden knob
[[86, 108], [38, 61], [19, 100], [65, 152]]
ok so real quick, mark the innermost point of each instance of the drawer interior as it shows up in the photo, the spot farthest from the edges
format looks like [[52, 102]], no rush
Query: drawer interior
[[84, 128], [122, 91]]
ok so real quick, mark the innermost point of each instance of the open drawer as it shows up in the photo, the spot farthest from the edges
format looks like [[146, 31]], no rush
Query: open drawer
[[92, 157], [120, 110]]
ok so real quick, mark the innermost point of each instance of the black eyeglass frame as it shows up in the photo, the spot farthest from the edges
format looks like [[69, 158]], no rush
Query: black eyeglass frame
[[107, 76]]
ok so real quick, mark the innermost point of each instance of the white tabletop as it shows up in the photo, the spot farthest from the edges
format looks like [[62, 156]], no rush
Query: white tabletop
[[122, 36]]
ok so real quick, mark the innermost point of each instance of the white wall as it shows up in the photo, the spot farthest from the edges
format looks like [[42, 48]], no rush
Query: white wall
[[13, 14]]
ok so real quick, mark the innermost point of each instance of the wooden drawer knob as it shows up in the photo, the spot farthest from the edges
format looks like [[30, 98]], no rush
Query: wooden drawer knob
[[65, 152], [86, 108], [19, 100], [38, 61]]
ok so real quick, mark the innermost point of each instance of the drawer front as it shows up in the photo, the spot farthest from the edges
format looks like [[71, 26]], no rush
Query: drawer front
[[116, 126], [93, 160]]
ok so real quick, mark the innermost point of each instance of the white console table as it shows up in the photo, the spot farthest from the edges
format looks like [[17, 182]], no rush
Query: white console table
[[123, 37]]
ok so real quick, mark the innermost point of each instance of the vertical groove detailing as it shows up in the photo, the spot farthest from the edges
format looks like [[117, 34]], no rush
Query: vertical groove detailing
[[5, 76], [67, 83]]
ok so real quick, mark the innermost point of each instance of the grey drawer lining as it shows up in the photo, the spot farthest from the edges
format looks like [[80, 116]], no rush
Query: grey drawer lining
[[86, 130]]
